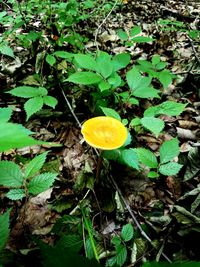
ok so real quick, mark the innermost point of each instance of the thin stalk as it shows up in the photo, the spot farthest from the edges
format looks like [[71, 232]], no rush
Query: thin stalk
[[90, 235]]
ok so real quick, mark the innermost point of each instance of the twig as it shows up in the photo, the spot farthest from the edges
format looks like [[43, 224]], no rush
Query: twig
[[104, 20], [194, 49], [134, 218], [71, 109]]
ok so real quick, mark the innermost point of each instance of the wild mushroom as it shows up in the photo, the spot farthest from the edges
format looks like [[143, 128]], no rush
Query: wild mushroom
[[105, 133]]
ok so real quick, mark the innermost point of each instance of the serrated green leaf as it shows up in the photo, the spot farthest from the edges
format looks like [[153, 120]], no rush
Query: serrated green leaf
[[153, 174], [135, 122], [35, 165], [111, 262], [152, 124], [142, 39], [109, 112], [15, 136], [51, 60], [120, 61], [127, 232], [5, 114], [33, 105], [135, 30], [155, 59], [170, 168], [121, 255], [129, 157], [86, 62], [4, 229], [169, 150], [165, 77], [7, 51], [50, 101], [41, 182], [28, 91], [10, 174], [116, 240], [122, 35], [84, 77], [103, 86], [16, 194], [147, 157], [63, 54], [71, 241], [171, 108], [114, 80], [133, 78], [146, 92], [104, 64]]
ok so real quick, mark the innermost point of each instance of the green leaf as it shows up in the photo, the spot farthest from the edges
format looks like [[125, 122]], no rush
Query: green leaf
[[155, 59], [114, 80], [7, 51], [142, 39], [169, 150], [51, 60], [41, 182], [86, 62], [10, 174], [121, 255], [129, 157], [104, 64], [165, 77], [4, 229], [33, 105], [70, 241], [103, 86], [63, 54], [133, 78], [116, 240], [152, 124], [153, 174], [50, 101], [171, 108], [120, 61], [84, 77], [147, 157], [135, 31], [122, 35], [170, 168], [5, 114], [127, 232], [146, 92], [28, 91], [15, 136], [111, 262], [16, 194], [109, 112], [35, 165]]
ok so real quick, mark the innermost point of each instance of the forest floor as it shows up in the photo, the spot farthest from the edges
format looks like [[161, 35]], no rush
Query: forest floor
[[164, 212]]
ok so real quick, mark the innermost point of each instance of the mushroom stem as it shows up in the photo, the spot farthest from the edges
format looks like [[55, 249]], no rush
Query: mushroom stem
[[99, 165]]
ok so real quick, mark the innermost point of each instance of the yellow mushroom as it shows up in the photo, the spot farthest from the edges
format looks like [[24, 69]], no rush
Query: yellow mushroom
[[105, 133]]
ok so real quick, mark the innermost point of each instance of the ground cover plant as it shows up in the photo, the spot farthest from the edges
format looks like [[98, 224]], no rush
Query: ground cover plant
[[99, 133]]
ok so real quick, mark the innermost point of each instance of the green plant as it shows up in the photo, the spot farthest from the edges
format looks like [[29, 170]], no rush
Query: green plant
[[168, 151], [4, 229], [37, 98], [119, 241], [13, 135], [178, 26], [133, 36], [24, 182]]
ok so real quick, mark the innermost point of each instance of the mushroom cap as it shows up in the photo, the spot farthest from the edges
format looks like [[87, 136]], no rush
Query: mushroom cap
[[104, 132]]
